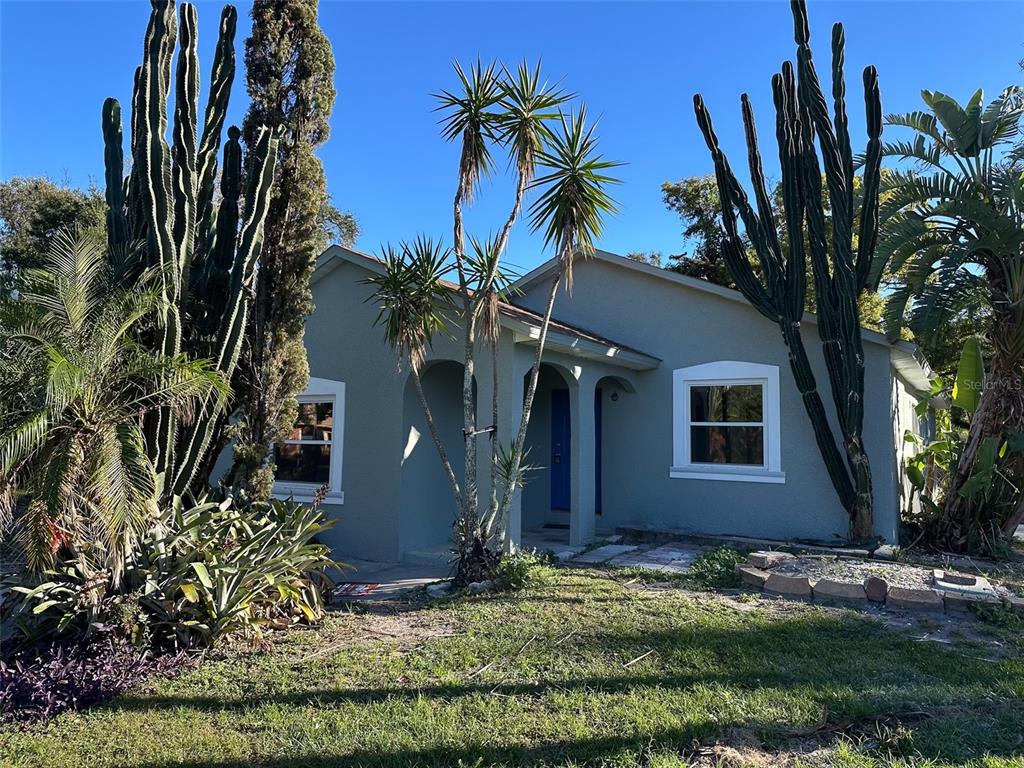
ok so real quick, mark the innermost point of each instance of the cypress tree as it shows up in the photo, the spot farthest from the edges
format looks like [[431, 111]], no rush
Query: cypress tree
[[290, 72]]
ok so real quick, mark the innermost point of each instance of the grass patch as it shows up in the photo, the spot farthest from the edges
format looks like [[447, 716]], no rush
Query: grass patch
[[578, 670]]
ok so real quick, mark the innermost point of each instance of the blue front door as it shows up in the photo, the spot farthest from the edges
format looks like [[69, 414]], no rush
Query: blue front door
[[560, 445]]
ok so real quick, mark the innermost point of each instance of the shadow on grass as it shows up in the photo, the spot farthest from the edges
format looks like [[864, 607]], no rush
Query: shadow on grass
[[848, 666], [600, 750]]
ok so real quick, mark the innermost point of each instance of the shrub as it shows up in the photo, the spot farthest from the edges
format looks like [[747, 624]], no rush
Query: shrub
[[197, 575], [520, 570], [42, 682], [716, 569]]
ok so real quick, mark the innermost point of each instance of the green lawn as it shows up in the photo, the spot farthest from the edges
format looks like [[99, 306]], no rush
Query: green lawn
[[543, 678]]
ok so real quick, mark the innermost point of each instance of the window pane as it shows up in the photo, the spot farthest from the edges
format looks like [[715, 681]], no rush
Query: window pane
[[315, 422], [727, 445], [742, 402], [303, 463]]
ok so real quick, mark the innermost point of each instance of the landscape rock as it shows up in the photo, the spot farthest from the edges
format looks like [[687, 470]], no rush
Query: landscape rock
[[767, 559], [751, 576], [827, 589], [794, 586], [886, 552], [876, 589], [479, 587], [440, 589], [914, 599]]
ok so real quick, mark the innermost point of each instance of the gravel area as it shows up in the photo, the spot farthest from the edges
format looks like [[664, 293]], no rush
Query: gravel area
[[855, 571]]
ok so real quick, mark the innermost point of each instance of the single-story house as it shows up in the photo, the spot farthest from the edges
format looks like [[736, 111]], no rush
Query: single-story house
[[664, 402]]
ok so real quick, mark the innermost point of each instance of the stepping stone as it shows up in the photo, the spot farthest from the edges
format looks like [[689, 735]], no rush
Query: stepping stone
[[963, 583], [827, 589], [751, 576], [793, 586], [767, 559], [603, 554], [562, 554], [914, 599]]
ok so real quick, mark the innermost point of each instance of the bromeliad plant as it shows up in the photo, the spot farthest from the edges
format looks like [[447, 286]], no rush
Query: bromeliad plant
[[207, 265], [954, 227], [840, 239], [549, 151], [197, 575]]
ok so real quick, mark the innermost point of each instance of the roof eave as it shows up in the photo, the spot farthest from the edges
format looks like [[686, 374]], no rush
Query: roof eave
[[572, 345]]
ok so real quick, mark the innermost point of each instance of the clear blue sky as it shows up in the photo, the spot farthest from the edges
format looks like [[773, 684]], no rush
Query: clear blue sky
[[637, 65]]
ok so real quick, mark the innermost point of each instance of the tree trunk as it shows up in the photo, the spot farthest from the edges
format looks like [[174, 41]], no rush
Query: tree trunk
[[531, 390], [1000, 412]]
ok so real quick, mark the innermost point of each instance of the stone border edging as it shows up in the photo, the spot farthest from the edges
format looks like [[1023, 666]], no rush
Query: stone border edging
[[873, 590]]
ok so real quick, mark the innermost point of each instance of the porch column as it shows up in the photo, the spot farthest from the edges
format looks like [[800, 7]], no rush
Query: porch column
[[584, 436]]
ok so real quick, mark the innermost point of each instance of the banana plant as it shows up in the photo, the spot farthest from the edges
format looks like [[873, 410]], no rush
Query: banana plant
[[206, 251]]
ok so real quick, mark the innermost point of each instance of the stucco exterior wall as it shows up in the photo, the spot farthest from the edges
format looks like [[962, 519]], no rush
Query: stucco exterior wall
[[687, 327]]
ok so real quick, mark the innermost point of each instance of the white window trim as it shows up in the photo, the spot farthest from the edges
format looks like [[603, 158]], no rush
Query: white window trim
[[726, 372], [320, 391]]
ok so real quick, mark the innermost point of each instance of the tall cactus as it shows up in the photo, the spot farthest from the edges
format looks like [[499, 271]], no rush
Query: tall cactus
[[842, 270], [208, 265]]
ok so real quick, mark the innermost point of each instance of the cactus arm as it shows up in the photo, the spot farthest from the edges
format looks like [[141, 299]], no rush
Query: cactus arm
[[243, 272], [787, 133], [870, 268], [186, 100], [113, 156], [842, 124], [135, 210], [765, 236], [155, 179], [734, 253], [250, 244], [221, 78]]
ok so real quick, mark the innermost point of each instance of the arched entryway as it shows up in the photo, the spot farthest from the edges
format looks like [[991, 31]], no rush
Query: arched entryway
[[428, 507], [609, 410], [547, 494]]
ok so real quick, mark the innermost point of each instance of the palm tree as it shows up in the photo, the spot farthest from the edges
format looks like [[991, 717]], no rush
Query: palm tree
[[954, 228], [75, 385]]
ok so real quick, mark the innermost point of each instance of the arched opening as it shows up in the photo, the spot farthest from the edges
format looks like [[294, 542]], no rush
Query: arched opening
[[547, 493], [428, 507], [610, 420]]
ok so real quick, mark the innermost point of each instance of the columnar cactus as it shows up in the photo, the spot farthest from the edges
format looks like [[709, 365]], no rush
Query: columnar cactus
[[842, 268], [208, 265]]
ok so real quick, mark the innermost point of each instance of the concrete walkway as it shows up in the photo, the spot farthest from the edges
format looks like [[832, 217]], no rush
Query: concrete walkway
[[372, 581]]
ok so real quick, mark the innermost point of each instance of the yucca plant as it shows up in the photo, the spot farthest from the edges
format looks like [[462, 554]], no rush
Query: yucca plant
[[954, 228], [77, 383], [496, 108]]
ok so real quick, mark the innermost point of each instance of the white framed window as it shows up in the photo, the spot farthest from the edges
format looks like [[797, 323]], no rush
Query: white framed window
[[311, 455], [725, 423]]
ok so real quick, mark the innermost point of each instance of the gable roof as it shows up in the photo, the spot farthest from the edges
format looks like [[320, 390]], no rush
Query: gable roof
[[907, 360], [524, 323]]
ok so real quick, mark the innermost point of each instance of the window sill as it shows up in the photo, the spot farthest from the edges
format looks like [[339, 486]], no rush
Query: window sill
[[740, 475], [305, 494]]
